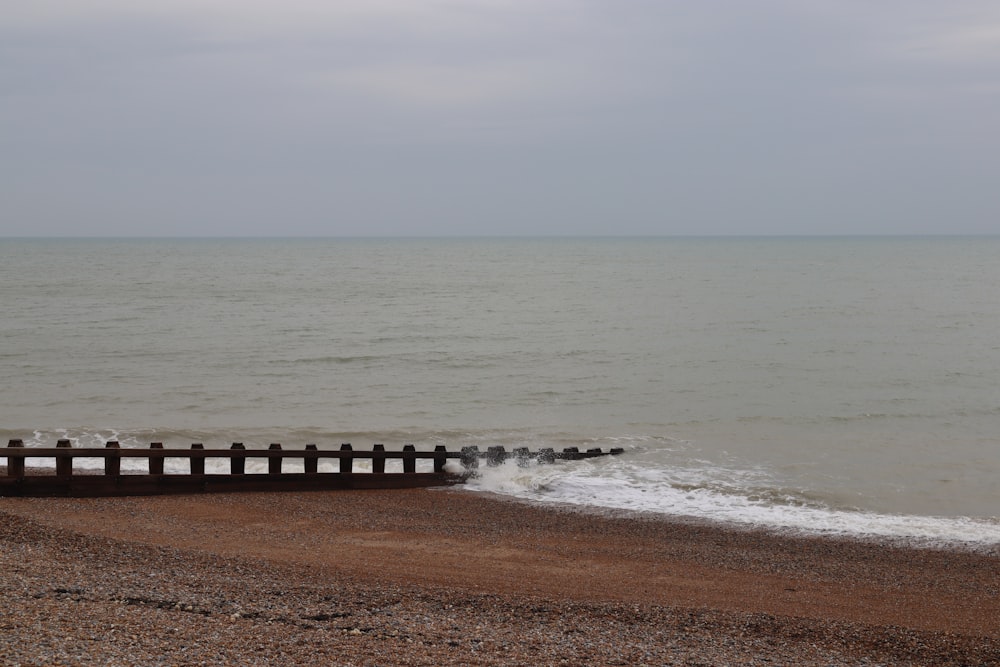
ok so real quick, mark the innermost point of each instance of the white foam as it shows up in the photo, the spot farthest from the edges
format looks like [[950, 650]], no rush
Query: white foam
[[738, 497]]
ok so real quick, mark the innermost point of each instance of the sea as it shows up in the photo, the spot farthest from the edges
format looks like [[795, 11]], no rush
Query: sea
[[845, 386]]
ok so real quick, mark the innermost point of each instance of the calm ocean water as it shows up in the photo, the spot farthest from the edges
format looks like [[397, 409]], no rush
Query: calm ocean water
[[846, 385]]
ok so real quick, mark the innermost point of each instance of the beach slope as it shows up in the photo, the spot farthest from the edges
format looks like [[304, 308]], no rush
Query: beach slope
[[433, 577]]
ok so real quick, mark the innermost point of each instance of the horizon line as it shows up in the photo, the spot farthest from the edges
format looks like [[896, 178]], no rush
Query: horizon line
[[236, 237]]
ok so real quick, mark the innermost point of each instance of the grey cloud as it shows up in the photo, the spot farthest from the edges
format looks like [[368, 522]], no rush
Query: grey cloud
[[499, 117]]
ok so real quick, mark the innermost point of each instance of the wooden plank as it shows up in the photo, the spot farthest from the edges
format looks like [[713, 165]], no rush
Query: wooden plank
[[112, 464], [274, 464], [197, 463], [346, 463], [439, 459], [138, 485], [237, 464], [311, 465], [155, 464], [15, 465], [206, 453], [64, 464], [409, 459]]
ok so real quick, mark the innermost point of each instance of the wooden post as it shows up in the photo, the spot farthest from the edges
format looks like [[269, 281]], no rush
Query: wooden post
[[311, 465], [439, 458], [15, 465], [571, 453], [197, 464], [495, 456], [237, 464], [378, 459], [523, 456], [274, 464], [470, 457], [112, 462], [346, 462], [617, 450], [546, 455], [409, 462], [64, 464], [156, 465]]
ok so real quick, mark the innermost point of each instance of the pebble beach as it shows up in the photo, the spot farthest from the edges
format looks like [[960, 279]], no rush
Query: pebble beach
[[448, 577]]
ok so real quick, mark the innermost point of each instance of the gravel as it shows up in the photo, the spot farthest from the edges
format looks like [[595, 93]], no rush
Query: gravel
[[429, 577]]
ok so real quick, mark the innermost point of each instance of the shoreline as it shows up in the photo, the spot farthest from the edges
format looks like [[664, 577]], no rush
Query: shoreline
[[534, 584], [957, 540], [791, 532]]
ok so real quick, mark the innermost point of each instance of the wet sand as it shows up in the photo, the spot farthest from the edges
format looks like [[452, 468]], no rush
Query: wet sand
[[427, 577]]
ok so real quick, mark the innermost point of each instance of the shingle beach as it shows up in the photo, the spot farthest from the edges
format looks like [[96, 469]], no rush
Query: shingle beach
[[448, 577]]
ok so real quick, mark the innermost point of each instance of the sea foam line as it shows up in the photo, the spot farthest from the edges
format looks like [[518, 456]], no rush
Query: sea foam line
[[577, 485]]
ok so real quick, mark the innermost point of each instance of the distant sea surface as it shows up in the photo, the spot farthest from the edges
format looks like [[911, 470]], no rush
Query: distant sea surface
[[833, 385]]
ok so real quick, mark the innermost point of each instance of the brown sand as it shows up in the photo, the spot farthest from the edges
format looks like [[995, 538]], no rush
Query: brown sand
[[429, 577]]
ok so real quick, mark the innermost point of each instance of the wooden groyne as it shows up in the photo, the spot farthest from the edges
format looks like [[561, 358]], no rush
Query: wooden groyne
[[20, 480]]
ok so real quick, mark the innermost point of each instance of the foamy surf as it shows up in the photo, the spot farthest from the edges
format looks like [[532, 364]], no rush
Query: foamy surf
[[717, 495]]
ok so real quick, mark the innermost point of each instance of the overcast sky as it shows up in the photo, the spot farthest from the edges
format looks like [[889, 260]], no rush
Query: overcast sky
[[491, 117]]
